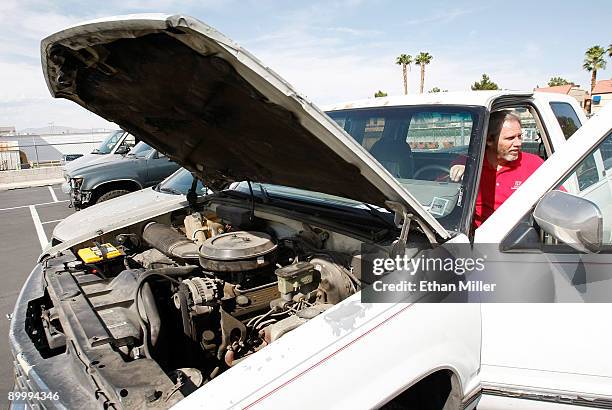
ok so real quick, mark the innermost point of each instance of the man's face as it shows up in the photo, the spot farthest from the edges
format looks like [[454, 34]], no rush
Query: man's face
[[508, 144]]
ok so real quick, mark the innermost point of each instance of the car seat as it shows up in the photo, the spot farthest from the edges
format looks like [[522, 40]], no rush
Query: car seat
[[392, 151]]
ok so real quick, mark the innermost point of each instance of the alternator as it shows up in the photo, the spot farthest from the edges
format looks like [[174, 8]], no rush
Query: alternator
[[200, 292]]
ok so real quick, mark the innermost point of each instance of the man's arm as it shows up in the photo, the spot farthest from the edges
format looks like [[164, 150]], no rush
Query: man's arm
[[457, 168]]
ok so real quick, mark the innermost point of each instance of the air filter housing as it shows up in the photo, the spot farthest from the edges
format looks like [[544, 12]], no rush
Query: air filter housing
[[237, 252]]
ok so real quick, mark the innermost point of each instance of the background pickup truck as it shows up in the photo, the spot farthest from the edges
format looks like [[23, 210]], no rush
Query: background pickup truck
[[142, 167]]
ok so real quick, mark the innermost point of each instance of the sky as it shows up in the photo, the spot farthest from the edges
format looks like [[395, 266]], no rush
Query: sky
[[330, 51]]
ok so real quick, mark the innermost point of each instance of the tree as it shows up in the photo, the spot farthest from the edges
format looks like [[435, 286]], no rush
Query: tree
[[485, 84], [593, 61], [555, 81], [380, 94], [404, 60], [422, 60], [436, 90], [610, 50]]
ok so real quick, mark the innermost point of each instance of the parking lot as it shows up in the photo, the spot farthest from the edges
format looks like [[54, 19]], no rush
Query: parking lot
[[27, 219]]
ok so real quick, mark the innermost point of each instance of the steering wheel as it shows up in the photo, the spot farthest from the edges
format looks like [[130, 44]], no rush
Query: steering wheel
[[442, 171]]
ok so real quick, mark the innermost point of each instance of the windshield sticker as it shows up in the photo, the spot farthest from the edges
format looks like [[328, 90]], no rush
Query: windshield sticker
[[438, 206]]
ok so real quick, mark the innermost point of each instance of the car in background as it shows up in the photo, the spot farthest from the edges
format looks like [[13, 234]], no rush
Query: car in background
[[142, 167], [115, 145]]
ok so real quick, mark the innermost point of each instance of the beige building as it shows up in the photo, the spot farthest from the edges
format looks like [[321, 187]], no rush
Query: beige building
[[602, 95], [570, 89]]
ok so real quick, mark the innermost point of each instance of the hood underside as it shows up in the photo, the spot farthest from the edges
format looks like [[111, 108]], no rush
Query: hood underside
[[212, 107]]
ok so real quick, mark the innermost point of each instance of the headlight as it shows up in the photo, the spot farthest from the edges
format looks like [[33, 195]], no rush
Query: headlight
[[75, 183]]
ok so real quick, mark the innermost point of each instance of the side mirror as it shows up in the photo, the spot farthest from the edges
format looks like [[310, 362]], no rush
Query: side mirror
[[122, 150], [573, 220]]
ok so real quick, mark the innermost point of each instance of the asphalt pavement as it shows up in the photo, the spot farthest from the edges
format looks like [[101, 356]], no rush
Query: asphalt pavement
[[27, 219]]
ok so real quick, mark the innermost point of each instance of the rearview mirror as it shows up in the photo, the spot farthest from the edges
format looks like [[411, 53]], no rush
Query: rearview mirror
[[122, 150], [573, 220]]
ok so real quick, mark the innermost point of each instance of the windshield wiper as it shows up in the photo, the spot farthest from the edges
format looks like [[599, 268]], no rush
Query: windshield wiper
[[170, 190], [372, 210], [264, 193]]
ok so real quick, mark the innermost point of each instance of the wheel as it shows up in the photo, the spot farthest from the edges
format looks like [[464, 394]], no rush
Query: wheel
[[112, 194], [428, 172]]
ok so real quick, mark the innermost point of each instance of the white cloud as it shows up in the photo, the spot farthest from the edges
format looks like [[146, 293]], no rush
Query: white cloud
[[25, 101], [38, 112], [441, 17], [313, 47]]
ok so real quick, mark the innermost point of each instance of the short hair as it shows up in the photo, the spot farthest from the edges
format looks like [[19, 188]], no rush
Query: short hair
[[497, 120]]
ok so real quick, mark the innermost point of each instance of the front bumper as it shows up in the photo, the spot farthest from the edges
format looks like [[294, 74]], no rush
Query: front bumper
[[79, 199], [45, 383]]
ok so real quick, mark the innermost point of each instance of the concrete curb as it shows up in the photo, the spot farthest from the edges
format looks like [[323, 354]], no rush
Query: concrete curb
[[30, 184]]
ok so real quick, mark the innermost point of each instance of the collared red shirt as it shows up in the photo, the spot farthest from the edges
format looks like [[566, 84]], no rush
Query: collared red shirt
[[496, 185]]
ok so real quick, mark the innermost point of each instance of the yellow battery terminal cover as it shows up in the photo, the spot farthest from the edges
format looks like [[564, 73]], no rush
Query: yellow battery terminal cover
[[94, 254]]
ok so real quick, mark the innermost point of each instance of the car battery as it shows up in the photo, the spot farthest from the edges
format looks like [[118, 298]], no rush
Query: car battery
[[99, 253]]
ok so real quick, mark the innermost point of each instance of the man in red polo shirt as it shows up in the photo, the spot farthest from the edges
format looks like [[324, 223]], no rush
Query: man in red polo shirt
[[504, 168]]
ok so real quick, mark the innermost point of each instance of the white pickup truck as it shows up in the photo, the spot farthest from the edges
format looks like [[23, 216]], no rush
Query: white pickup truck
[[260, 305]]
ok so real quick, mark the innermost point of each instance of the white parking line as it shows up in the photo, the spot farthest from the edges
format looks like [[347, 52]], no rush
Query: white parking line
[[53, 194], [42, 237], [51, 222], [27, 206]]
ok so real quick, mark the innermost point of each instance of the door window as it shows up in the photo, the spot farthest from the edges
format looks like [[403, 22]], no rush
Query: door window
[[532, 135], [129, 141], [141, 150], [590, 180], [568, 120], [586, 173], [606, 155]]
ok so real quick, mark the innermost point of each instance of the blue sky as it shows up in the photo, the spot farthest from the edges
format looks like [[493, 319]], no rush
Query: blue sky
[[333, 50]]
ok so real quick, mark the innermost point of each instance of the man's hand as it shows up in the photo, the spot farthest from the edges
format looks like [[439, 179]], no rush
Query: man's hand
[[456, 172]]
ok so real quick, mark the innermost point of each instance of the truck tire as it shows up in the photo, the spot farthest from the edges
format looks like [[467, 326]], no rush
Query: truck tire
[[111, 194]]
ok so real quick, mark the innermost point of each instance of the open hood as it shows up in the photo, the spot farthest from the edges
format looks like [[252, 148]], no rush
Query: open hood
[[208, 104]]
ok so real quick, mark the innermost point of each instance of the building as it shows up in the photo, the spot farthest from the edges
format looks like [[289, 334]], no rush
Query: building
[[601, 95], [570, 89], [7, 130], [9, 155]]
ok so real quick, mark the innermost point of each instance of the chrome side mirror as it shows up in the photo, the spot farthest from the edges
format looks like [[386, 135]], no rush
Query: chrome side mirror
[[573, 220]]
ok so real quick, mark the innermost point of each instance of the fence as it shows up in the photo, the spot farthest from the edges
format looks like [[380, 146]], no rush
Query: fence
[[33, 151]]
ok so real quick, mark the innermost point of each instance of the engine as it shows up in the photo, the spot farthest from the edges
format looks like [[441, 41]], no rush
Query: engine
[[207, 295]]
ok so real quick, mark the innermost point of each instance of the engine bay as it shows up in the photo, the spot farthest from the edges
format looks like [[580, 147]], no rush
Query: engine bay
[[186, 296]]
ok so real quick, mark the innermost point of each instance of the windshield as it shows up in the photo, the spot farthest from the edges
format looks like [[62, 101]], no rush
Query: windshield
[[179, 183], [418, 146], [269, 192], [109, 143], [140, 150]]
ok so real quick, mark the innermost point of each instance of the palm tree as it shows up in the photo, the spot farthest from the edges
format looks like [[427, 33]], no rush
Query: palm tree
[[423, 59], [404, 60], [593, 61]]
